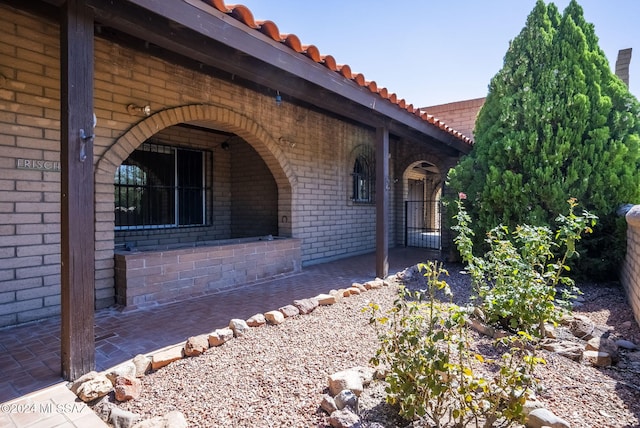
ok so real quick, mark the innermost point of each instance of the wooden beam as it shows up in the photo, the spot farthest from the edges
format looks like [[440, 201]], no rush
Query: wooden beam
[[77, 187], [382, 202]]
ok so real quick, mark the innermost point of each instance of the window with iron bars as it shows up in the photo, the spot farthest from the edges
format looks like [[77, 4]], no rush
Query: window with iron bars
[[363, 176], [160, 186]]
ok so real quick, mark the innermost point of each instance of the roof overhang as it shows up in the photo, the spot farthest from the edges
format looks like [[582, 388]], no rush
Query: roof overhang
[[202, 33]]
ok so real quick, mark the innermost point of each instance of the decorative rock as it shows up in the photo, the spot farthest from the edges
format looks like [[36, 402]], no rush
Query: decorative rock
[[326, 299], [374, 285], [220, 336], [258, 320], [346, 398], [338, 294], [359, 286], [480, 327], [583, 328], [539, 418], [598, 359], [142, 364], [603, 344], [347, 379], [125, 369], [103, 408], [626, 344], [127, 388], [289, 311], [531, 405], [354, 291], [239, 327], [306, 306], [196, 345], [95, 387], [166, 357], [566, 348], [120, 418], [328, 404], [274, 317], [345, 292], [344, 419]]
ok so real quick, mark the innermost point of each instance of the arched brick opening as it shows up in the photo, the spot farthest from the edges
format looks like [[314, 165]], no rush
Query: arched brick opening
[[224, 119]]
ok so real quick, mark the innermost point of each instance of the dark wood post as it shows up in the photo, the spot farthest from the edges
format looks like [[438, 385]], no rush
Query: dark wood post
[[382, 202], [77, 187]]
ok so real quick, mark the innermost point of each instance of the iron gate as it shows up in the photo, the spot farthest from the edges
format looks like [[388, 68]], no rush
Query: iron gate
[[422, 224]]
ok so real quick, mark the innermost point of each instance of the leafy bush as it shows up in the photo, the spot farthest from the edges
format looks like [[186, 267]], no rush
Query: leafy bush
[[516, 280], [425, 347]]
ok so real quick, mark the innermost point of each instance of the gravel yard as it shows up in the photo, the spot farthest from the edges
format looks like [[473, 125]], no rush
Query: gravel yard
[[275, 376]]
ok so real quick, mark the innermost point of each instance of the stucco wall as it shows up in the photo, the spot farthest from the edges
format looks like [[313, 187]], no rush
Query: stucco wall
[[631, 268]]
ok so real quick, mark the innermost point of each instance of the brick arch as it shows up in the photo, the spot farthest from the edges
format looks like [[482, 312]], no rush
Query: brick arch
[[225, 119]]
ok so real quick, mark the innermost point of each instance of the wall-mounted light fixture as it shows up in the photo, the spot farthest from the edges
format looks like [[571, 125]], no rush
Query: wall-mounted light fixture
[[225, 146], [285, 142], [278, 99], [135, 110]]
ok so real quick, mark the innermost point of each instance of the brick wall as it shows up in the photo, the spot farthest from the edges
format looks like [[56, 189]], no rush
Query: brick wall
[[308, 156], [631, 267], [460, 115], [148, 278]]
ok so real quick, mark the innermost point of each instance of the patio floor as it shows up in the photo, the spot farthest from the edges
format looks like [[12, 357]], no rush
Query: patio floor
[[30, 353]]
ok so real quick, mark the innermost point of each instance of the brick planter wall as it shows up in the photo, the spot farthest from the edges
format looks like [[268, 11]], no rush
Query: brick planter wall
[[145, 278], [631, 267]]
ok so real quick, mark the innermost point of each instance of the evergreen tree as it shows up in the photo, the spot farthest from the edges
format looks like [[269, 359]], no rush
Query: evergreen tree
[[556, 123]]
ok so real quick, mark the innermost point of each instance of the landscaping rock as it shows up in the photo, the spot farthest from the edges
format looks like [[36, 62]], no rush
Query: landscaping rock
[[603, 344], [626, 344], [597, 359], [274, 317], [196, 345], [125, 369], [93, 388], [289, 311], [539, 418], [166, 357], [127, 388], [220, 336], [239, 327], [328, 404], [257, 320], [347, 379], [306, 306], [119, 418], [142, 364], [326, 299], [344, 419], [566, 348], [346, 398]]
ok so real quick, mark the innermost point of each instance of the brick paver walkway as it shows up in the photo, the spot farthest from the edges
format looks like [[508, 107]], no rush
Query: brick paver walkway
[[30, 354]]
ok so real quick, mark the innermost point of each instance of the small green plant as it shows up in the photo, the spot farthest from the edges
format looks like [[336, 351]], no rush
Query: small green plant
[[430, 369], [518, 279]]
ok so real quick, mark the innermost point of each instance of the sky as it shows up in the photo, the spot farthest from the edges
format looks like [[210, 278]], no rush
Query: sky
[[433, 52]]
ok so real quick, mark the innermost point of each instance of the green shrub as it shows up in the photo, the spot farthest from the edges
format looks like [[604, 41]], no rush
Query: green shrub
[[425, 348], [518, 279]]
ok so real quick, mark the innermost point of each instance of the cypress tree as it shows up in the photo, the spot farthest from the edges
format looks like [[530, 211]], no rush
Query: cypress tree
[[556, 123]]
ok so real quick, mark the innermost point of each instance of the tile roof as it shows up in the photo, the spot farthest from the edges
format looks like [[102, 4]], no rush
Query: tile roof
[[270, 29]]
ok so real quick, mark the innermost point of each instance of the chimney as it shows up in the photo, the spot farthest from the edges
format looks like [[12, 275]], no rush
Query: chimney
[[622, 65]]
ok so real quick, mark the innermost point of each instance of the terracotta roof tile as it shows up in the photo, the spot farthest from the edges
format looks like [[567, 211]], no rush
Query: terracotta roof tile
[[270, 29]]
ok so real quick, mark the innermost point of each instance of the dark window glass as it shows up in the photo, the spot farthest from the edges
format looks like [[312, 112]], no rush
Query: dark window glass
[[362, 188], [159, 186]]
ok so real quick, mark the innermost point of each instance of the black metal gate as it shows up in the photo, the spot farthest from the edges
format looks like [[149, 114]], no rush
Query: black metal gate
[[422, 224]]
